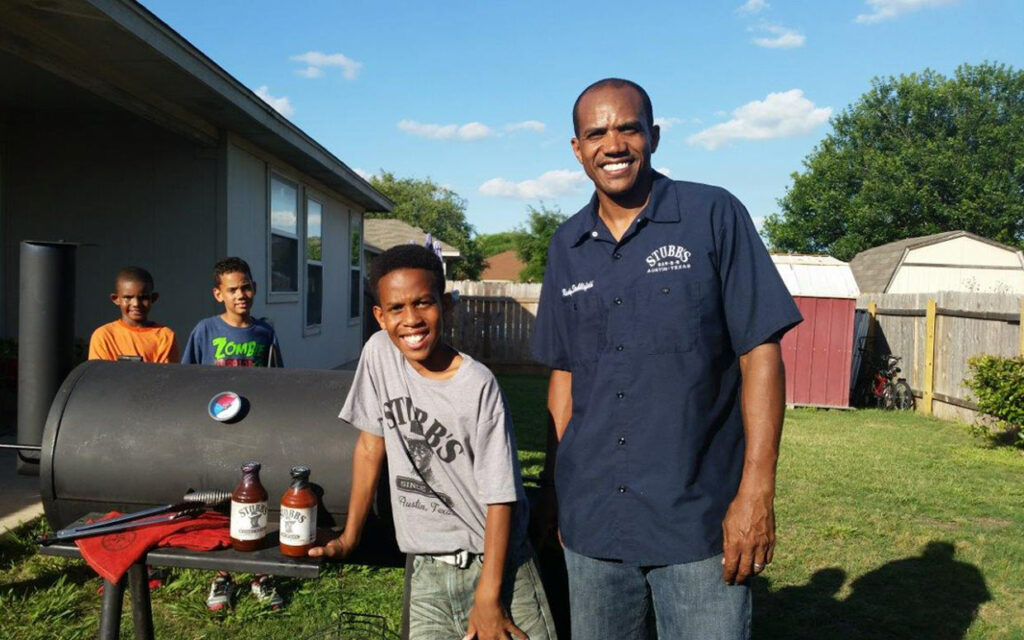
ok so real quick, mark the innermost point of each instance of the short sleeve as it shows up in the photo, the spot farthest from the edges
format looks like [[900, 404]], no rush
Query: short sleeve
[[550, 344], [275, 358], [170, 351], [193, 353], [98, 347], [494, 450], [362, 405], [756, 302]]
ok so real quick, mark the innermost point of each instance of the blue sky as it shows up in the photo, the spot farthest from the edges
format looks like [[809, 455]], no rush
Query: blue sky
[[477, 95]]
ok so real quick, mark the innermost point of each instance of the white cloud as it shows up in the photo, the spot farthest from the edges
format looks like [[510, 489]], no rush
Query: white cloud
[[882, 10], [665, 171], [780, 115], [282, 105], [437, 131], [310, 72], [781, 37], [467, 132], [752, 6], [317, 60], [667, 123], [473, 131], [526, 125], [363, 173], [552, 184]]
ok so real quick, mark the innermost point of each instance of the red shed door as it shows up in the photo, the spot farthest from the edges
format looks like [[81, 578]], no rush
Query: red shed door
[[818, 353]]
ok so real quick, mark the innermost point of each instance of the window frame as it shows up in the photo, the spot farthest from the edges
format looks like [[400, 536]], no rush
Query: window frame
[[356, 217], [307, 328], [277, 297]]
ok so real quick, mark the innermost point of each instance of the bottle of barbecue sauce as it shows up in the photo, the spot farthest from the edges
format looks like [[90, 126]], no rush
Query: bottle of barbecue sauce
[[249, 510], [298, 515]]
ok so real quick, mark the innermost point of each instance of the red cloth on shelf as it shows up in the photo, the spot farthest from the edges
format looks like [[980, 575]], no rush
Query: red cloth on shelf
[[111, 554]]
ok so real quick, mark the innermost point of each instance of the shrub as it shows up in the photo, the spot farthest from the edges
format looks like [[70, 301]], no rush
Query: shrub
[[998, 387]]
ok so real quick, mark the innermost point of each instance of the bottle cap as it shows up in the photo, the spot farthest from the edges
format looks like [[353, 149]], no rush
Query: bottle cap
[[251, 466]]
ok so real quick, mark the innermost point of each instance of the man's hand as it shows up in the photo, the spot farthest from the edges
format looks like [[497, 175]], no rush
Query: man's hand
[[748, 530], [335, 548], [487, 621], [749, 536]]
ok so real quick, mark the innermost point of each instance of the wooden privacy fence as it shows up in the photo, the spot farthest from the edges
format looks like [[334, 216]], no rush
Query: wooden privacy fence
[[936, 334], [493, 322]]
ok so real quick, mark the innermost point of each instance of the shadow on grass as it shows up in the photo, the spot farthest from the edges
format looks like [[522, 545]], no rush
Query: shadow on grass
[[931, 595], [76, 574]]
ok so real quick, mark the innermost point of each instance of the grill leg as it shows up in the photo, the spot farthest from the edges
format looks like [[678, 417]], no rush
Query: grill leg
[[110, 616], [142, 612]]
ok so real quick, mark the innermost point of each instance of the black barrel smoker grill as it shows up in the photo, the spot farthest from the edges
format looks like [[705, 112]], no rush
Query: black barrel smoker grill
[[126, 435]]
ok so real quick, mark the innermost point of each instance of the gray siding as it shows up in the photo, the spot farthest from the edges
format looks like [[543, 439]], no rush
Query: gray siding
[[338, 340], [139, 194]]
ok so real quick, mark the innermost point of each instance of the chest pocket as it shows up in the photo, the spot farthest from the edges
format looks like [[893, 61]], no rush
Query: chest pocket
[[588, 326], [670, 315]]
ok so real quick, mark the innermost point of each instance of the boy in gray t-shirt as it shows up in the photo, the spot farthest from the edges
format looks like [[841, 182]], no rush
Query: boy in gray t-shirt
[[457, 496]]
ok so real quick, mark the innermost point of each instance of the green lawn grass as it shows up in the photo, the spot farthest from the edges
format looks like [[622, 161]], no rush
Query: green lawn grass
[[890, 526]]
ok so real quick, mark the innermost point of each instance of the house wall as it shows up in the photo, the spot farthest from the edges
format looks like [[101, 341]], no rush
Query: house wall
[[338, 339], [960, 264], [133, 192]]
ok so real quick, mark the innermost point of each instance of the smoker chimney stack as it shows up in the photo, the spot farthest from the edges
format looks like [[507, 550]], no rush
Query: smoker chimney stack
[[46, 337]]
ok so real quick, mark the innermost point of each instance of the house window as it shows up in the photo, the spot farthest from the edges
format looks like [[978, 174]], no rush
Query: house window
[[355, 302], [284, 236], [314, 263]]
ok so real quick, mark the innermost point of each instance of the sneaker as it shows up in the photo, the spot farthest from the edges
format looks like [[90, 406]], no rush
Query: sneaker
[[263, 589], [222, 590]]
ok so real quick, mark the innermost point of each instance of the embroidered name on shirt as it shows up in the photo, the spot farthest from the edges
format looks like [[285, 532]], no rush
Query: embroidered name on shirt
[[670, 257], [579, 286]]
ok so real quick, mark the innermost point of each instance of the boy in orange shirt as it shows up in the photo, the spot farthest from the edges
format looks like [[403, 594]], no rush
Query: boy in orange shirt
[[133, 336]]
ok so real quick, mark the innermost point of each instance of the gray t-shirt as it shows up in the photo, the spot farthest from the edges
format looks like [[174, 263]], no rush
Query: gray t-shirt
[[450, 447]]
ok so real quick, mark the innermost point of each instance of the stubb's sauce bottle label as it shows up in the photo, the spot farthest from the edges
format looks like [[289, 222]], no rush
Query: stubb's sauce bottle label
[[298, 526], [249, 520]]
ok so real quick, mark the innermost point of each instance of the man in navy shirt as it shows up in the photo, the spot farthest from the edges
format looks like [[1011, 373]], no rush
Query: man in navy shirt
[[660, 317]]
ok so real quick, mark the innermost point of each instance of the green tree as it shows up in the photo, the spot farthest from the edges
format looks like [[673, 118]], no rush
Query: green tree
[[533, 240], [491, 244], [437, 210], [915, 155]]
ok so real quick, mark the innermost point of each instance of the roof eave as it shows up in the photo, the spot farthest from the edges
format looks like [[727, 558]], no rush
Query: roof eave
[[143, 24]]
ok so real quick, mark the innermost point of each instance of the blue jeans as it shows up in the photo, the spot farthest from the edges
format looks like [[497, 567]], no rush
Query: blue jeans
[[613, 600], [441, 597]]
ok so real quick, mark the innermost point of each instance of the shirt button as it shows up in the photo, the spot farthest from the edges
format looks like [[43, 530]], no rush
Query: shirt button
[[617, 255], [619, 348], [620, 395], [617, 300], [622, 488], [622, 441], [593, 234], [664, 290]]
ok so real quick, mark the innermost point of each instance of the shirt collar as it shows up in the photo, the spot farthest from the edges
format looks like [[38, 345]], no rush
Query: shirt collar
[[661, 207]]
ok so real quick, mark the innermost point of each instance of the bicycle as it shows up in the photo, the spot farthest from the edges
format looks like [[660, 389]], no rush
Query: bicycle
[[886, 389]]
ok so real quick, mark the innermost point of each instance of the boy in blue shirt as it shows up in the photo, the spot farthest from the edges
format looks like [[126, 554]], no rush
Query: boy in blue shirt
[[235, 339]]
